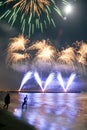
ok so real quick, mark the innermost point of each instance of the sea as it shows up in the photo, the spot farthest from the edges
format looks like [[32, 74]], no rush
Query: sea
[[50, 111]]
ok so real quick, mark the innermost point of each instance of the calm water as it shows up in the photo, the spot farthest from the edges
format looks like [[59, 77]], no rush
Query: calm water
[[51, 111]]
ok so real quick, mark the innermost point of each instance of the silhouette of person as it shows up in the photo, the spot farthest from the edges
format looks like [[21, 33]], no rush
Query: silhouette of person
[[25, 102], [6, 101]]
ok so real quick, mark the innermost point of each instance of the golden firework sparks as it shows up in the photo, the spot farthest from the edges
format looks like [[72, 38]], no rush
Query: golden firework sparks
[[31, 14], [17, 43], [45, 52], [29, 6], [37, 45], [67, 56], [82, 58], [15, 57]]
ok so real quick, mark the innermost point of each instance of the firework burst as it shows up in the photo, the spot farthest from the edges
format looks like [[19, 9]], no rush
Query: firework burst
[[45, 55], [82, 58], [35, 14], [16, 51], [68, 56], [16, 57], [17, 43], [46, 51]]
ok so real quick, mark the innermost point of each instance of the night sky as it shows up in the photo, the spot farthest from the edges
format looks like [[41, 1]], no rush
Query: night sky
[[66, 32]]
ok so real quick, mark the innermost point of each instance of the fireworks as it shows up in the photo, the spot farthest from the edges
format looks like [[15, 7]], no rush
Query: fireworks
[[46, 52], [15, 57], [42, 54], [17, 43], [30, 14], [17, 50], [82, 58], [30, 6], [67, 56]]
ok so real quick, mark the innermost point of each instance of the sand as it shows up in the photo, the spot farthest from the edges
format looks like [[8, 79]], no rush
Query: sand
[[9, 122]]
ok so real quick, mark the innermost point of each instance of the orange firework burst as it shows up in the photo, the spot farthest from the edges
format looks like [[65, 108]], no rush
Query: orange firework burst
[[82, 58], [67, 56], [30, 6], [38, 45], [45, 52], [17, 43], [16, 57], [31, 14]]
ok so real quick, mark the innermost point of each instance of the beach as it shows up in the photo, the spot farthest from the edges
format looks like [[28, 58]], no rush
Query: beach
[[9, 122], [45, 111]]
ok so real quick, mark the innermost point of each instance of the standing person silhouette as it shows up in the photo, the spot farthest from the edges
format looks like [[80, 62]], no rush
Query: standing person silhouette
[[6, 101], [25, 102]]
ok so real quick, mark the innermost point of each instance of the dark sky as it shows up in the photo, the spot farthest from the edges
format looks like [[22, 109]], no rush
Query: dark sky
[[70, 30], [66, 32], [75, 27]]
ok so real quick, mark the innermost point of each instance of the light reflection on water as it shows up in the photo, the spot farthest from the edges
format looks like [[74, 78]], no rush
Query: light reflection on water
[[52, 111]]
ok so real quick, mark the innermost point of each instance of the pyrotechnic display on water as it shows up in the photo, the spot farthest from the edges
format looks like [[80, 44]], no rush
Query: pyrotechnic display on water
[[42, 61]]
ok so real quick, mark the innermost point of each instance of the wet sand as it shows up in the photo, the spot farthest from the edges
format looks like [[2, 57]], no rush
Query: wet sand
[[48, 111], [9, 122]]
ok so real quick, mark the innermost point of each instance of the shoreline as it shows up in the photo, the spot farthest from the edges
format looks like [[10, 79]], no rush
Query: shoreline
[[39, 91], [10, 122]]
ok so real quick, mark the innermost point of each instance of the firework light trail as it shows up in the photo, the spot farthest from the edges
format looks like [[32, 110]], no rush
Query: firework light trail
[[38, 45], [48, 80], [46, 52], [45, 55], [71, 78], [83, 53], [37, 77], [31, 14], [17, 43], [59, 77], [26, 77], [15, 57], [16, 50], [67, 55]]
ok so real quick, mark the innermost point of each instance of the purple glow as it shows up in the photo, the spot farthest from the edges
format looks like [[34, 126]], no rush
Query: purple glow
[[71, 78], [26, 77], [37, 77], [49, 79], [64, 85], [59, 77]]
